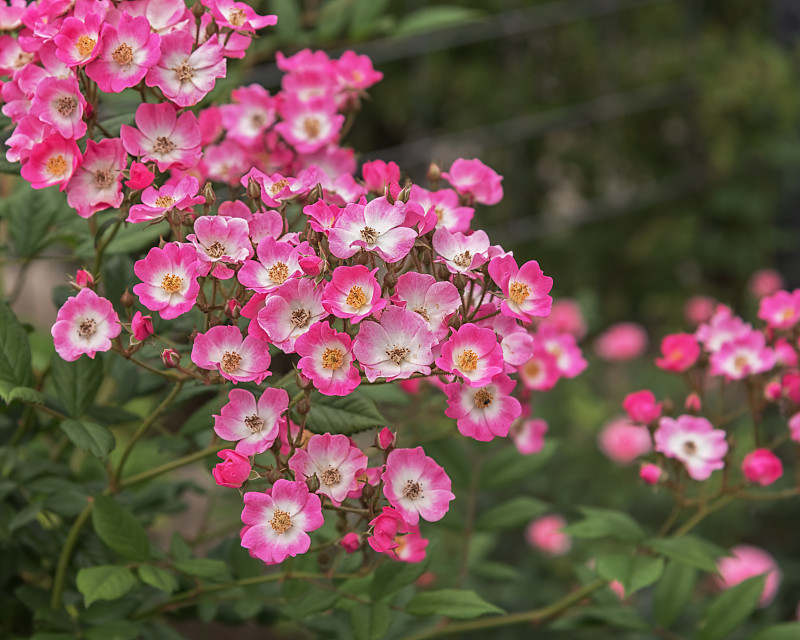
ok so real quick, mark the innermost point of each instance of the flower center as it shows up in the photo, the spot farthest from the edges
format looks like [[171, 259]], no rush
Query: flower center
[[85, 45], [165, 202], [230, 361], [278, 186], [483, 398], [423, 312], [216, 250], [123, 54], [56, 165], [281, 521], [300, 318], [356, 297], [740, 362], [184, 71], [87, 328], [254, 423], [237, 17], [689, 448], [331, 477], [518, 292], [463, 260], [103, 178], [468, 360], [332, 358], [439, 211], [369, 235], [163, 145], [171, 283], [278, 272], [412, 490], [311, 126], [532, 368], [66, 105], [397, 354]]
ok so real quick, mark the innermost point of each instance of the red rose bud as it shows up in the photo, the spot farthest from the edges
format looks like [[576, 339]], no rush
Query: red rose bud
[[385, 439], [233, 308], [83, 279], [141, 326], [351, 542], [233, 471], [762, 467], [170, 358], [693, 403], [773, 390], [141, 177], [650, 473]]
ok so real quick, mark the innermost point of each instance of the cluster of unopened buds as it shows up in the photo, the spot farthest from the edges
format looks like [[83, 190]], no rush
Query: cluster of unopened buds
[[364, 279]]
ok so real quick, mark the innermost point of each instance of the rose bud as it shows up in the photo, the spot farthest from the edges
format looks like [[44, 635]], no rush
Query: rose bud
[[170, 358], [141, 326], [233, 471]]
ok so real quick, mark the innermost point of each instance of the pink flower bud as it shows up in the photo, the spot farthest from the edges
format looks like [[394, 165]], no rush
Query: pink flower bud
[[762, 466], [617, 588], [170, 358], [385, 528], [311, 265], [642, 406], [233, 309], [426, 579], [794, 427], [693, 403], [141, 326], [772, 392], [623, 442], [233, 471], [650, 473], [83, 279], [545, 534], [351, 542], [141, 177], [385, 439]]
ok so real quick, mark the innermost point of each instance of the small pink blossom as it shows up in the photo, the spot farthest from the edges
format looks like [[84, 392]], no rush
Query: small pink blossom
[[237, 359], [785, 355], [765, 282], [434, 301], [83, 279], [385, 439], [540, 372], [642, 406], [351, 542], [622, 341], [378, 175], [252, 113], [694, 442], [693, 403], [475, 180], [163, 137], [780, 310], [472, 353], [411, 547], [335, 462], [280, 519], [416, 486], [762, 467], [445, 206], [679, 352], [562, 346], [311, 124], [77, 41], [528, 435], [385, 528], [742, 357], [233, 470], [546, 534], [651, 473], [794, 427], [353, 293], [327, 360], [238, 16], [60, 103], [484, 412], [52, 161], [141, 327], [278, 261], [526, 289], [355, 72], [461, 253], [746, 562], [169, 279], [86, 324], [170, 358], [253, 425], [141, 177], [96, 184], [623, 442], [721, 328], [699, 309], [218, 239], [290, 311], [158, 202], [567, 317]]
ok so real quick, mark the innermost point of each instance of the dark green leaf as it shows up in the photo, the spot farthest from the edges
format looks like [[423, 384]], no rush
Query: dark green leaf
[[510, 466], [15, 350], [615, 616], [202, 567], [599, 523], [341, 414], [158, 578], [25, 515], [516, 512], [370, 622], [732, 607], [783, 631], [107, 582], [333, 17], [432, 18], [453, 603], [632, 572], [393, 576], [76, 383], [31, 214], [315, 600], [117, 630], [23, 394], [119, 529], [688, 550], [673, 592], [89, 436]]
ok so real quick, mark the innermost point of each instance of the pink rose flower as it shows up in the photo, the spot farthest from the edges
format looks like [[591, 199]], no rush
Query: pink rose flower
[[680, 351], [642, 406], [233, 471], [253, 425], [416, 486], [623, 442], [86, 324], [141, 326], [694, 442], [335, 462], [528, 435], [546, 534], [622, 341], [747, 562]]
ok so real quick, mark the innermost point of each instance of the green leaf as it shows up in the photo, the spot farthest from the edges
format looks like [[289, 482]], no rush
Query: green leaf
[[390, 578], [117, 630], [333, 16], [107, 582], [370, 622], [288, 13], [23, 394], [732, 607], [453, 603], [315, 600], [432, 18], [783, 631], [673, 592], [15, 350], [340, 414], [516, 512], [365, 15], [202, 567], [89, 436], [24, 516], [633, 572], [510, 466], [76, 383], [31, 214], [689, 550], [119, 529], [600, 523], [158, 578]]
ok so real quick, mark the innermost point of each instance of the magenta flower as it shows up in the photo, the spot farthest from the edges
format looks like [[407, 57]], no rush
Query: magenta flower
[[621, 341], [528, 435], [434, 301], [277, 262], [546, 534], [97, 183], [218, 239], [650, 473], [397, 347], [141, 327], [411, 547], [385, 529], [721, 328], [279, 520], [232, 471], [276, 189], [623, 442], [694, 442], [355, 72], [237, 359], [334, 460], [461, 253], [163, 137], [680, 352], [744, 356], [762, 467], [351, 542], [141, 176], [77, 41], [642, 407], [86, 324], [353, 293], [169, 279], [472, 353], [526, 289], [541, 372], [290, 311], [416, 486], [183, 75], [765, 282], [158, 202], [446, 206], [566, 316], [326, 359], [309, 125], [780, 310], [59, 103], [238, 16], [129, 49], [52, 161], [252, 113], [475, 180], [321, 216], [746, 562], [378, 227], [483, 412], [563, 347], [378, 175], [253, 425]]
